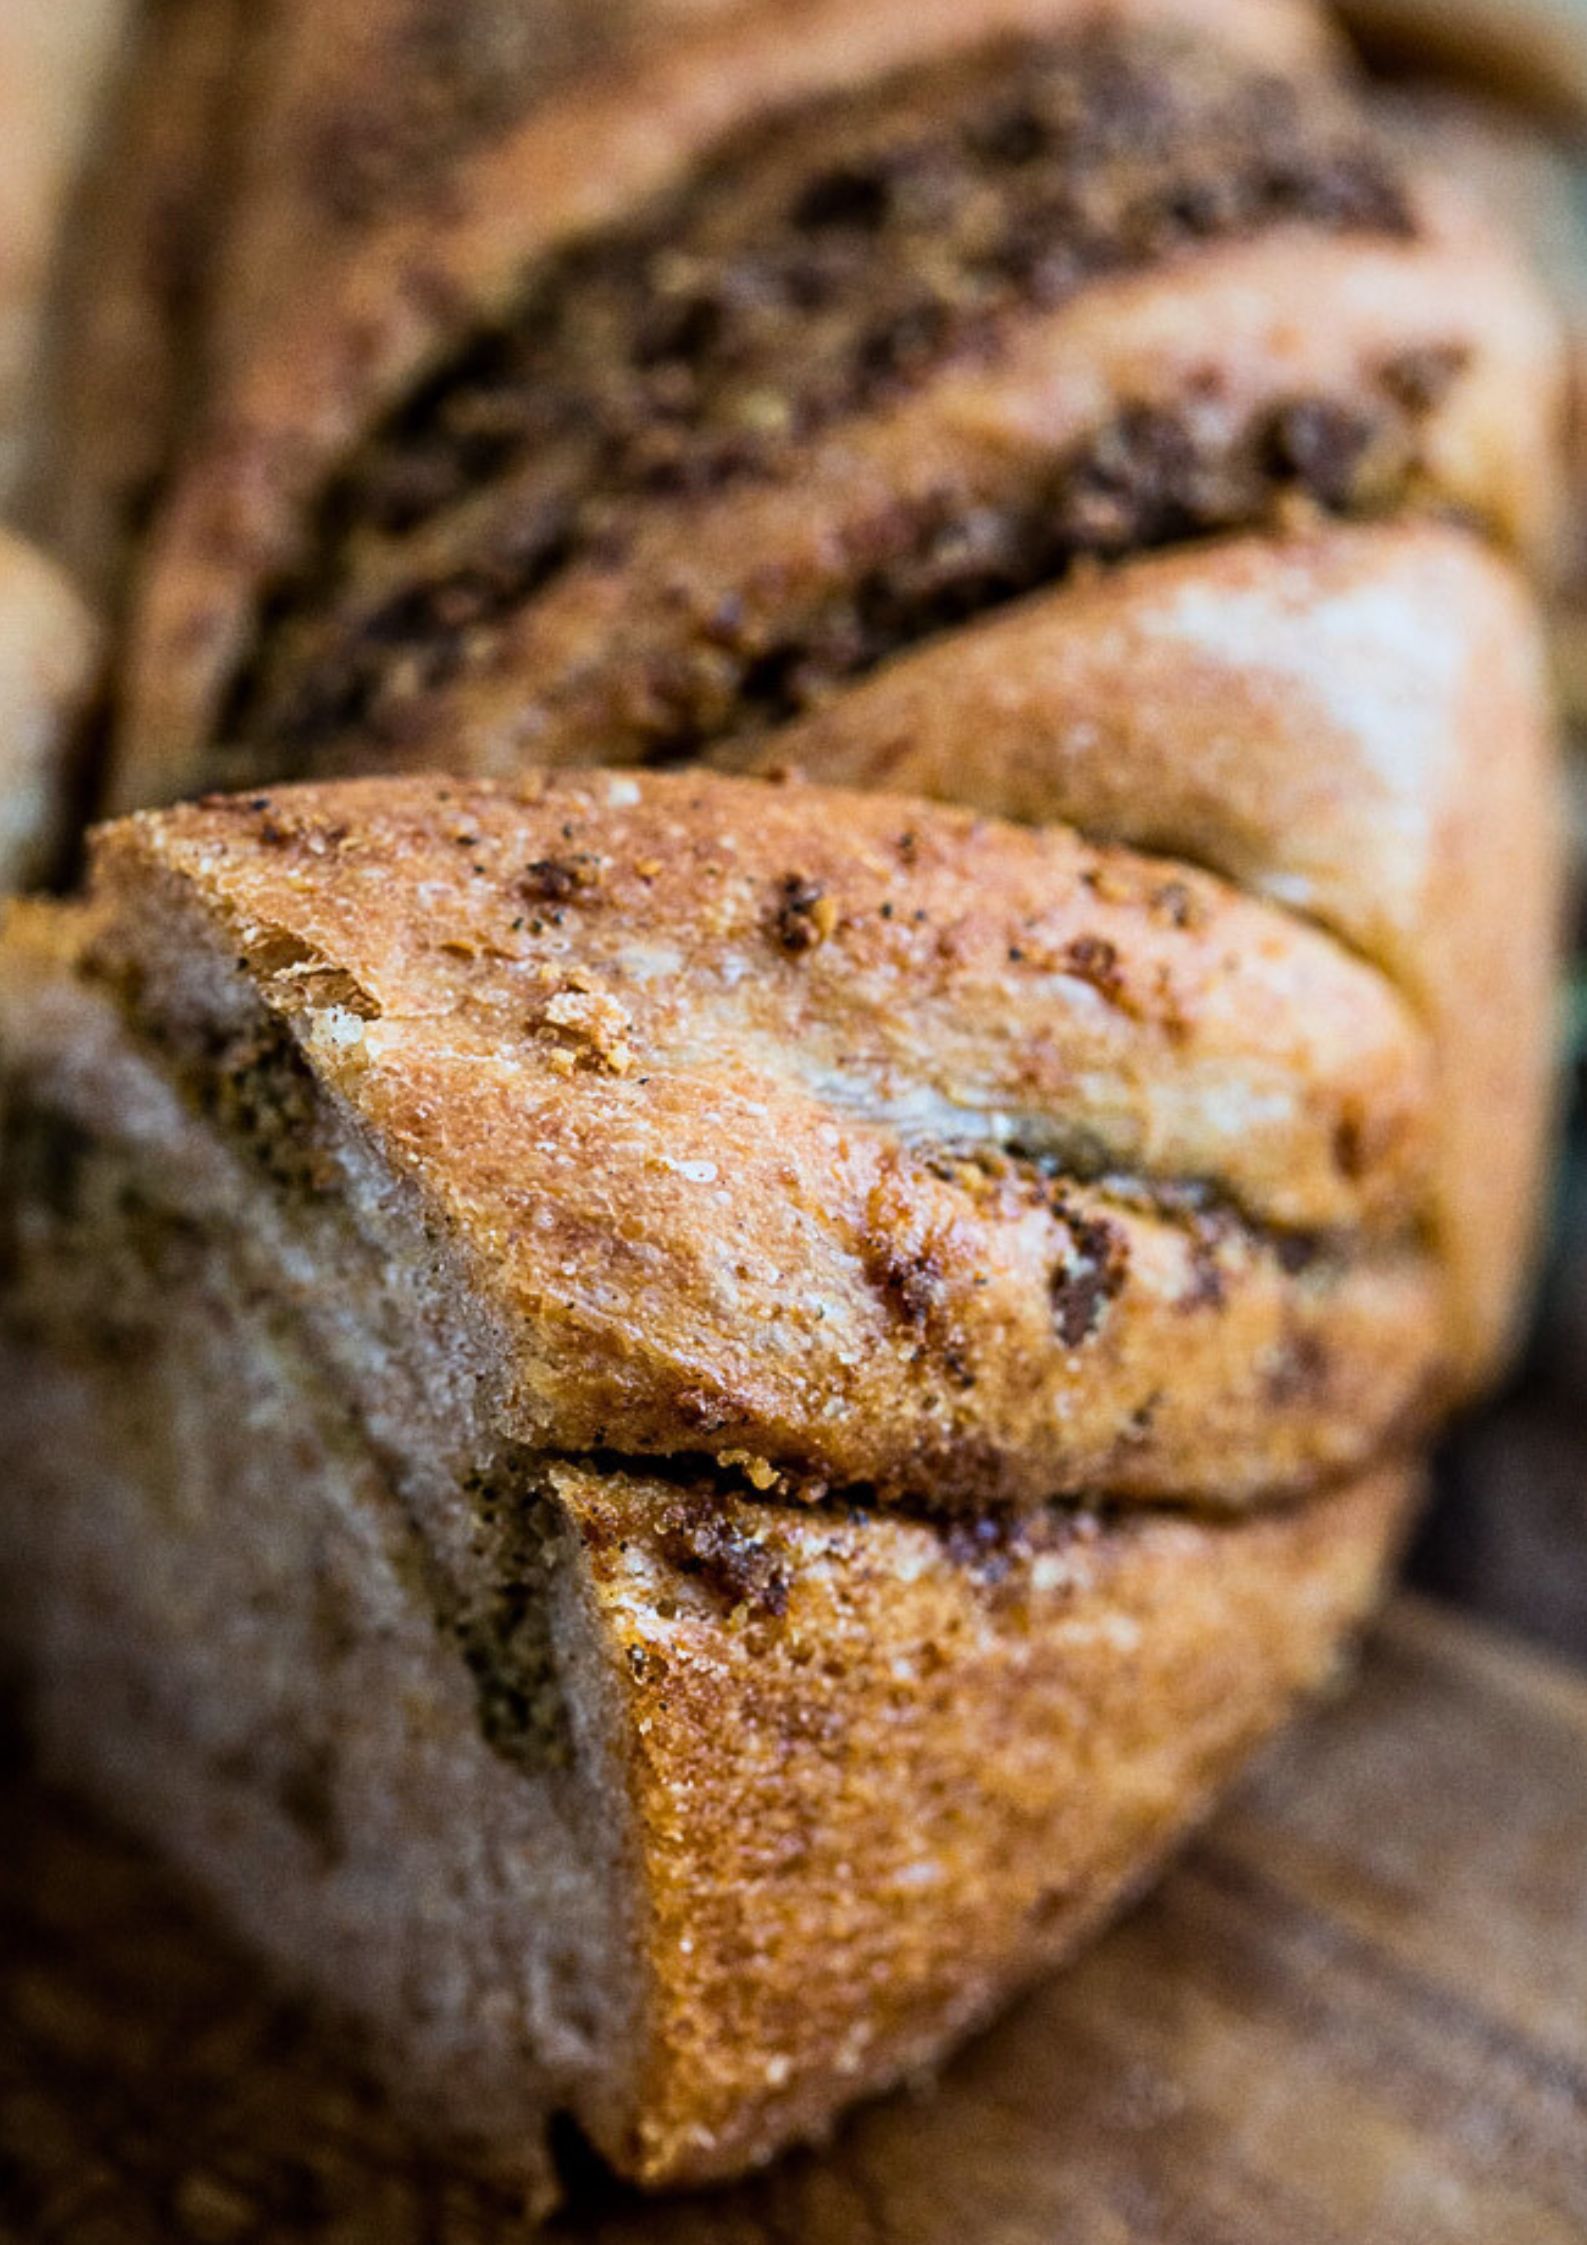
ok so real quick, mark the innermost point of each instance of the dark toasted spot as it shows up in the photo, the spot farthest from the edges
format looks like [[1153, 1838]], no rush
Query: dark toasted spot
[[739, 1568], [1349, 1147], [554, 880], [1207, 1290], [1326, 446], [1092, 959], [910, 1283], [850, 195], [1091, 1275], [1299, 1372], [803, 916], [1421, 379]]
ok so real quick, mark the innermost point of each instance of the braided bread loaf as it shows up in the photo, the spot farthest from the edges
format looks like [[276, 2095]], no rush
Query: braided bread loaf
[[752, 1381]]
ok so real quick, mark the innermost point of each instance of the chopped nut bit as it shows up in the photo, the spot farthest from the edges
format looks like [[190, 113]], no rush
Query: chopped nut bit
[[555, 880], [738, 1568], [596, 1026], [805, 914], [759, 1472], [1092, 959], [1421, 378], [1091, 1275]]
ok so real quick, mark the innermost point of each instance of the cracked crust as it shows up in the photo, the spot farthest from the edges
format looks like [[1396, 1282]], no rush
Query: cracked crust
[[818, 1786], [885, 1145]]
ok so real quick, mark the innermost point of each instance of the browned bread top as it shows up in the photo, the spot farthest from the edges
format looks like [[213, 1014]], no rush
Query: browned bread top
[[877, 1144], [771, 432], [1353, 722], [807, 1264], [705, 453], [284, 184]]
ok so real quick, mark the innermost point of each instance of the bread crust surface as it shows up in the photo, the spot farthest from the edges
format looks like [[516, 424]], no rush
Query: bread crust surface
[[887, 1146]]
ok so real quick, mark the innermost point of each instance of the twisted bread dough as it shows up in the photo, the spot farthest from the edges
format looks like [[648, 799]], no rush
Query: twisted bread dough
[[280, 182], [750, 1389], [1352, 723], [890, 1148], [734, 454]]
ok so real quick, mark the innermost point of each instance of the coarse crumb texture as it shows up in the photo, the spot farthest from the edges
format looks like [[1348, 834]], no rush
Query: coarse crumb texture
[[657, 1799]]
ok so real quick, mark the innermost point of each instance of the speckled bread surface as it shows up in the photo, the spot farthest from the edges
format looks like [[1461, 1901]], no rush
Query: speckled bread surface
[[738, 1256], [663, 1792], [883, 1146], [1353, 722]]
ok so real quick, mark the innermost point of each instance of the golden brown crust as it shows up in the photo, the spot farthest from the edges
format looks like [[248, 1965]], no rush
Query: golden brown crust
[[368, 115], [848, 1777], [250, 148], [590, 669], [1354, 723], [866, 1816], [49, 664], [322, 152], [766, 1117], [616, 662], [598, 1165]]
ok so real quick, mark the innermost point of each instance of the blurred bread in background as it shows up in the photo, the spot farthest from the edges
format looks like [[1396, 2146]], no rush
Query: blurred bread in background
[[48, 661], [1532, 53], [55, 57], [1495, 91], [249, 152]]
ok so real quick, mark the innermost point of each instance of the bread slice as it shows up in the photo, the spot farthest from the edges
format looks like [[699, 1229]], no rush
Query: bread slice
[[654, 1787], [857, 1138]]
